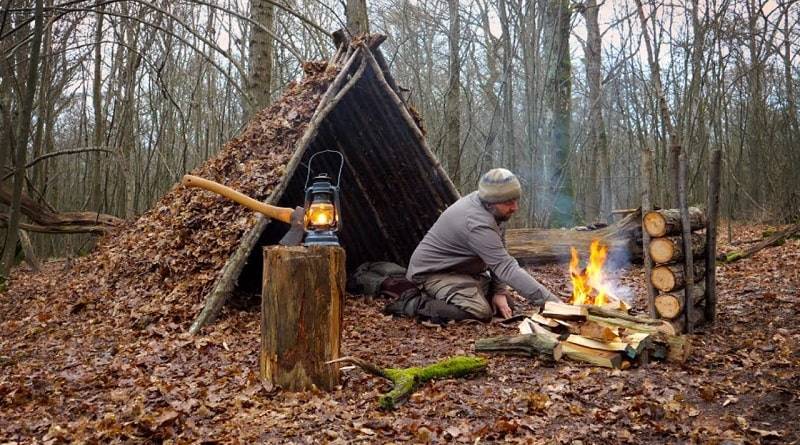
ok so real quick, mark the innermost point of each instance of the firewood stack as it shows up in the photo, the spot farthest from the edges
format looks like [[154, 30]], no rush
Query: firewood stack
[[591, 334], [668, 276]]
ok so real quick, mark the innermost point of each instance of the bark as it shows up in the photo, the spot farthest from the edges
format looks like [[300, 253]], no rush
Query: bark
[[301, 316], [21, 144]]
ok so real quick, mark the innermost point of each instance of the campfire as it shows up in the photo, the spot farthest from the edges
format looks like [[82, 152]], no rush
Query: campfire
[[590, 285]]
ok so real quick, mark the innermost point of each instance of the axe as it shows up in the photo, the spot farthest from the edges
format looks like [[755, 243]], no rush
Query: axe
[[295, 218]]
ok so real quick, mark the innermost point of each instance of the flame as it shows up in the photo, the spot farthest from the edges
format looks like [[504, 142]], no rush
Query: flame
[[590, 286]]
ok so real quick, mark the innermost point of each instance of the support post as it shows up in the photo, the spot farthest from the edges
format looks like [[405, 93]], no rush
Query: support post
[[647, 174], [301, 316], [712, 216]]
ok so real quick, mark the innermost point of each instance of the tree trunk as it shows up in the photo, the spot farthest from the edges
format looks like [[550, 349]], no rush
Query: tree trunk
[[558, 97], [667, 222], [357, 17], [647, 207], [452, 112], [261, 49], [711, 234], [21, 144], [670, 249], [301, 316]]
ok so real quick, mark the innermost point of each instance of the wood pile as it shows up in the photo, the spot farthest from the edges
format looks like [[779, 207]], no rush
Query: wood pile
[[591, 334], [675, 299]]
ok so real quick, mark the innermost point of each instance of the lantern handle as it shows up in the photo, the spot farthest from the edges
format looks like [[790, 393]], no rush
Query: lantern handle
[[341, 165]]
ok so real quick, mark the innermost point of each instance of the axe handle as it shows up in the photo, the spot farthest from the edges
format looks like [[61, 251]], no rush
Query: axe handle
[[279, 213]]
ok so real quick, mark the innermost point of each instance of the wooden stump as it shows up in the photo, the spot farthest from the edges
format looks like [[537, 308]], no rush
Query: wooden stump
[[301, 316], [666, 222]]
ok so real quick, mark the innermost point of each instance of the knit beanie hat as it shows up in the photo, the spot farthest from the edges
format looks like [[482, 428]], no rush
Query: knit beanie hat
[[499, 185]]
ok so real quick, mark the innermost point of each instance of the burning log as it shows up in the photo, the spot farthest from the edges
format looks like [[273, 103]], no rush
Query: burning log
[[670, 249], [667, 222], [532, 345], [671, 276], [671, 305]]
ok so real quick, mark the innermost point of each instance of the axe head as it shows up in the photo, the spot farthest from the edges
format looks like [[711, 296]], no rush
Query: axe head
[[296, 233]]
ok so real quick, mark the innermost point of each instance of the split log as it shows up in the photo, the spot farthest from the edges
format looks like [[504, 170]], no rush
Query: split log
[[670, 305], [546, 246], [528, 326], [532, 345], [598, 332], [406, 380], [750, 251], [669, 249], [672, 348], [596, 357], [301, 315], [639, 341], [562, 311], [671, 276], [661, 326], [667, 222], [613, 346]]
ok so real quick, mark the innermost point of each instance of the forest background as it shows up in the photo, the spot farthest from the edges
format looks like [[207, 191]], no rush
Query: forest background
[[106, 104]]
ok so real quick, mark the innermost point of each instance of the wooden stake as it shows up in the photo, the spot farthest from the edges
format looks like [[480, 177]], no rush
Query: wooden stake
[[688, 261], [647, 179]]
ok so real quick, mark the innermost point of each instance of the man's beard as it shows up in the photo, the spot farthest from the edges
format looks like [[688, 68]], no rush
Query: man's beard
[[499, 217]]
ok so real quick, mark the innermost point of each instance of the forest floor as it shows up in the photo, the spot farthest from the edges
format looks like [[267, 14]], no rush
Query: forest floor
[[70, 372]]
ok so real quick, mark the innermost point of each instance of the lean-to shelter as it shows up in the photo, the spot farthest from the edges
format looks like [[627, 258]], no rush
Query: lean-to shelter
[[185, 255]]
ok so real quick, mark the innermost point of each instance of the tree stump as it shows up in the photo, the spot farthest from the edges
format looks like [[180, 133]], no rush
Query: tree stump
[[301, 316]]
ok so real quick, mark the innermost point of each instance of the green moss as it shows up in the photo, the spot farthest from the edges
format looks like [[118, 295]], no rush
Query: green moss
[[406, 380]]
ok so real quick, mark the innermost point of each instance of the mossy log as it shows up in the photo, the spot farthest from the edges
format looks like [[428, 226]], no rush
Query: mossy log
[[774, 240], [406, 380], [667, 222], [532, 345]]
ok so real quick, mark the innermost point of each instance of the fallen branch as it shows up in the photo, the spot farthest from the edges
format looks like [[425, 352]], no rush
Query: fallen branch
[[406, 380], [774, 240]]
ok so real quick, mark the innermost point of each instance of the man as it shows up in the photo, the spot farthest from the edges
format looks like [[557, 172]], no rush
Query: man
[[462, 262]]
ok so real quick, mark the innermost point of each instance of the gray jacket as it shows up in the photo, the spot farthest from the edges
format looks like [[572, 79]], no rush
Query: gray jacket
[[467, 239]]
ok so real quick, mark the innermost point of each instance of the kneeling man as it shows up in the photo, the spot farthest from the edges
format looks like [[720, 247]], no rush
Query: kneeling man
[[462, 261]]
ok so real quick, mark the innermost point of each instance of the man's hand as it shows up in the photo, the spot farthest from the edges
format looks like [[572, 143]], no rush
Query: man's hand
[[500, 303]]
